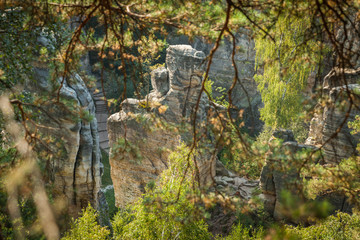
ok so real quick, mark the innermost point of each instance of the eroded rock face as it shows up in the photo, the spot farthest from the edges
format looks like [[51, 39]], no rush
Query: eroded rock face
[[244, 95], [348, 37], [138, 148], [280, 174], [329, 127], [75, 172]]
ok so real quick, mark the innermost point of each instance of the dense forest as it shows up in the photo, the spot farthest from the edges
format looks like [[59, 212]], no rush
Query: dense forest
[[200, 119]]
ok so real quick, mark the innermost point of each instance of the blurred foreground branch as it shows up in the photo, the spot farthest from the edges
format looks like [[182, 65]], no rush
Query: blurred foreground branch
[[16, 178]]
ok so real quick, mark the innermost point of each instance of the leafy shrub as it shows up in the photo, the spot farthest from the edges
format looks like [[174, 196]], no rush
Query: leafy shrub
[[168, 210], [86, 227], [236, 158], [245, 166], [239, 232], [339, 226]]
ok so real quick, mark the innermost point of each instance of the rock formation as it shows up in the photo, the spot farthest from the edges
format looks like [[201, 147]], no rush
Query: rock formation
[[73, 163], [280, 172], [233, 185], [144, 130], [329, 127], [245, 95]]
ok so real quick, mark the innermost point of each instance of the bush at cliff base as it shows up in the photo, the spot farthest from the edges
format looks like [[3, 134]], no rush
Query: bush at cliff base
[[86, 227], [167, 210], [336, 227]]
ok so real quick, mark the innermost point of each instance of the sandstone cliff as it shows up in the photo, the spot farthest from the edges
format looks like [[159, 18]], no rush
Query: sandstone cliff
[[281, 173], [144, 131], [73, 154], [244, 95], [329, 127], [329, 132]]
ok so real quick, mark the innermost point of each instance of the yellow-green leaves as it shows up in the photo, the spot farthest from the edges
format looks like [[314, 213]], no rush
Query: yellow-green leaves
[[86, 227], [286, 63]]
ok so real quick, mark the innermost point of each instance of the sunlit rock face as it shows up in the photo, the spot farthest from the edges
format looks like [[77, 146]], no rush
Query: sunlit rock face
[[329, 127], [144, 131], [72, 145]]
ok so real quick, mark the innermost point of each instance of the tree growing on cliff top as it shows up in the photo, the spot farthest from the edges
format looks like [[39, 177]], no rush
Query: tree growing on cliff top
[[130, 37]]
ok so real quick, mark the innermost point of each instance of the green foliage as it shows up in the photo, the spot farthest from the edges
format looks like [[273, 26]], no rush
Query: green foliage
[[233, 155], [341, 178], [209, 87], [355, 125], [294, 207], [236, 158], [298, 127], [5, 226], [167, 211], [287, 63], [86, 227], [107, 182], [106, 177], [219, 91], [16, 52], [239, 232], [131, 39], [126, 149], [341, 226]]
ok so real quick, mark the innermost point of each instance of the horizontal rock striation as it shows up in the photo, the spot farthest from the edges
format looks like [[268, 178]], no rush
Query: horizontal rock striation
[[329, 127]]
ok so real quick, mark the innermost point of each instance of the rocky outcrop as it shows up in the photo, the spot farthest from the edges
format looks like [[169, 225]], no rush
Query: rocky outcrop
[[236, 186], [233, 189], [340, 77], [329, 127], [280, 173], [348, 42], [71, 152], [144, 131], [244, 95]]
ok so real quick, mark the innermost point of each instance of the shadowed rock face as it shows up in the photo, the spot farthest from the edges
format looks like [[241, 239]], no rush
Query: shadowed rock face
[[75, 173], [329, 129], [281, 174], [332, 118], [244, 95], [138, 149], [160, 81]]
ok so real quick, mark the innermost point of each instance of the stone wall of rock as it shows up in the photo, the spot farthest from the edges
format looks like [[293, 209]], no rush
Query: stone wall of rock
[[139, 148], [329, 127], [222, 73], [280, 173], [75, 168]]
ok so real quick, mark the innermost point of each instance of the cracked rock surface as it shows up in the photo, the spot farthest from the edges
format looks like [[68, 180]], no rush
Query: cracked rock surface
[[75, 173]]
